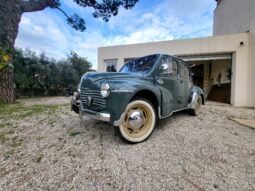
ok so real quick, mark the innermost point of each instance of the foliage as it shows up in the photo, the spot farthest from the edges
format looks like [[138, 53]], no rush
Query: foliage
[[33, 72], [5, 58], [104, 9], [80, 64], [31, 76]]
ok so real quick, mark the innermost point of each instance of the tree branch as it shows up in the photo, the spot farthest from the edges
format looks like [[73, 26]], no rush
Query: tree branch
[[35, 5], [61, 10]]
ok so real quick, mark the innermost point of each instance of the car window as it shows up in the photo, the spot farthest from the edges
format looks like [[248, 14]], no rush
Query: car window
[[184, 71], [171, 68]]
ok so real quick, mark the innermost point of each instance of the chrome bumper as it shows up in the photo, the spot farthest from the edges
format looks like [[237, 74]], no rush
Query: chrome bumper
[[76, 106], [97, 115]]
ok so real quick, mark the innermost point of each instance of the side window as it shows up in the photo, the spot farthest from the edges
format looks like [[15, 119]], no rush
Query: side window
[[168, 66], [183, 71]]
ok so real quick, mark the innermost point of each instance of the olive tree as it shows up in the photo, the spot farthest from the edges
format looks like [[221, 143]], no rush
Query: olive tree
[[10, 16]]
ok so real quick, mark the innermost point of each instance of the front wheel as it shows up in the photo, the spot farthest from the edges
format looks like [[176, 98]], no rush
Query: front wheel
[[138, 122]]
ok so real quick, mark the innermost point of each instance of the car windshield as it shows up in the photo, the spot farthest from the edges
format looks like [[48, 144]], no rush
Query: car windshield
[[143, 64]]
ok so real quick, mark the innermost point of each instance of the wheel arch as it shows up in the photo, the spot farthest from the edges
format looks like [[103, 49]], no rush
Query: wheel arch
[[150, 96]]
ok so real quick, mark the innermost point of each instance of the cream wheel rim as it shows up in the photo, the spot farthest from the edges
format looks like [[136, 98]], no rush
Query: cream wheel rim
[[138, 121]]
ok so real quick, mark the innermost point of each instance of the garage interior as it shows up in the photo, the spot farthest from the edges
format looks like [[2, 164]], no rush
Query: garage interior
[[212, 73]]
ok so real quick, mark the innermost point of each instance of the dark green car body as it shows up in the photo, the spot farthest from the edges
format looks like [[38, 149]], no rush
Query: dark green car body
[[168, 92]]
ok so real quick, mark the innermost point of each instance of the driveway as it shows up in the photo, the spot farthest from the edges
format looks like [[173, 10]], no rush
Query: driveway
[[45, 146]]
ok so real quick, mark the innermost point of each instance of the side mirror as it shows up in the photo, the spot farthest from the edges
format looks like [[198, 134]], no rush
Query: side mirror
[[163, 67]]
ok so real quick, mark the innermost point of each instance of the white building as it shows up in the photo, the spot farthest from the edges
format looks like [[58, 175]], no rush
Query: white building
[[224, 64]]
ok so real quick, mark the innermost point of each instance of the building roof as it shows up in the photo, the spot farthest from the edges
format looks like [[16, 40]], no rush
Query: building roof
[[218, 1]]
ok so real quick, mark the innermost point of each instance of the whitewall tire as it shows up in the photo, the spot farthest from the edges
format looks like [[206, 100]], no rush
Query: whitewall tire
[[138, 122]]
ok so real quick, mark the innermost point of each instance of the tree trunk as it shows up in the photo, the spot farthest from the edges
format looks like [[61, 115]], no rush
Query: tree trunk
[[31, 91], [10, 15], [6, 86]]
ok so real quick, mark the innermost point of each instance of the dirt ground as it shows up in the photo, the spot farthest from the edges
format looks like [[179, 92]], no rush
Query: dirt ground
[[45, 146]]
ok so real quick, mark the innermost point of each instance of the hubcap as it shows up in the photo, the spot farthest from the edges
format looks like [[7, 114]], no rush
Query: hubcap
[[135, 119]]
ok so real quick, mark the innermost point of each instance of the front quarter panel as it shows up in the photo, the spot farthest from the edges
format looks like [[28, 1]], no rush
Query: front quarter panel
[[122, 92]]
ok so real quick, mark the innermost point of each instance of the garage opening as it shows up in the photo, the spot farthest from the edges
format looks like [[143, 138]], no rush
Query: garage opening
[[212, 73]]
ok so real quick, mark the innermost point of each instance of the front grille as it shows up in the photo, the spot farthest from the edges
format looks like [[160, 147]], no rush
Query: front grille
[[94, 97]]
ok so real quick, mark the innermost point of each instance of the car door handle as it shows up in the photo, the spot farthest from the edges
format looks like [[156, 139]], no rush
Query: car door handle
[[160, 81]]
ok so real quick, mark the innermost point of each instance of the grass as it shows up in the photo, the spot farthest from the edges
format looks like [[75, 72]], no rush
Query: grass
[[8, 154], [19, 110], [13, 141], [73, 133], [16, 111], [39, 158], [16, 142], [40, 138], [4, 135], [5, 125]]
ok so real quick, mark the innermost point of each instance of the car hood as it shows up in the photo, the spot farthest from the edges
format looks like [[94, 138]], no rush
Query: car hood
[[94, 76], [90, 78]]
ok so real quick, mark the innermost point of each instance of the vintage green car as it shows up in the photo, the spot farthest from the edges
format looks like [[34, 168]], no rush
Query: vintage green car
[[144, 90]]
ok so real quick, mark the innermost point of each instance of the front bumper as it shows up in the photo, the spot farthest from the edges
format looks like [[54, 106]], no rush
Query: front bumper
[[77, 108], [97, 115], [75, 105]]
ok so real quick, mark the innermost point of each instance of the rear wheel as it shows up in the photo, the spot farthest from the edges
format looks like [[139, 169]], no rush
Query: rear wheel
[[197, 108], [138, 122]]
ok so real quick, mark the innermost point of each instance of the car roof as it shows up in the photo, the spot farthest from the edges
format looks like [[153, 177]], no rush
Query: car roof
[[172, 56]]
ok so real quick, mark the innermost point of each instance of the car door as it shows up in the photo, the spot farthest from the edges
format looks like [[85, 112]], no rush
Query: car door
[[165, 76], [185, 83]]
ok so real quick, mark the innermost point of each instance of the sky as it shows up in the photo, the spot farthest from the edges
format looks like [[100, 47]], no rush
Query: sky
[[150, 20]]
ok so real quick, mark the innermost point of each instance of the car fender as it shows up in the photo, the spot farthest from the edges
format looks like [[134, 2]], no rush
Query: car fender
[[123, 91], [193, 96]]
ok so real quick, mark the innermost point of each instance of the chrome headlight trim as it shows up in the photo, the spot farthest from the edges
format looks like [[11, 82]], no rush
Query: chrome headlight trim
[[105, 90], [76, 95], [79, 88]]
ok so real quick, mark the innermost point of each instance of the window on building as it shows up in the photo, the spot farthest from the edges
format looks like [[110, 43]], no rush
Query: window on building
[[111, 65]]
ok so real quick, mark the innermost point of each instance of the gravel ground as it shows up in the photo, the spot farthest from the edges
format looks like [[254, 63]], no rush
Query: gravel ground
[[56, 151]]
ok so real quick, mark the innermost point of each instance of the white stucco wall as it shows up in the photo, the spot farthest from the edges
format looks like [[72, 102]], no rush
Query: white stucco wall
[[198, 46], [234, 16], [238, 16]]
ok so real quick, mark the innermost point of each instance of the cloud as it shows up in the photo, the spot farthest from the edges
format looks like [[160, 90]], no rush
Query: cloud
[[148, 21]]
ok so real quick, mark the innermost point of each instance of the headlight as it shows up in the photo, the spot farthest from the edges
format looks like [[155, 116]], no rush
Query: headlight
[[105, 90]]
